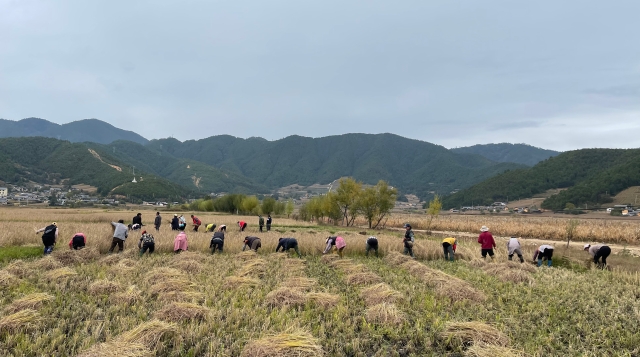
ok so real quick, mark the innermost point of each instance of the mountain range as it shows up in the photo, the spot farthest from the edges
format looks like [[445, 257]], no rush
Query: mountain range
[[228, 164]]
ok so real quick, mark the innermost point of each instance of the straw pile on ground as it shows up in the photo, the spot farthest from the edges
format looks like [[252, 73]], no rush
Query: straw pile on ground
[[380, 293], [104, 287], [282, 297], [385, 313], [179, 311], [18, 268], [163, 273], [188, 265], [253, 268], [472, 333], [149, 333], [7, 279], [71, 257], [323, 300], [246, 255], [117, 349], [492, 351], [298, 282], [298, 343], [169, 285], [236, 282], [328, 258], [129, 296], [61, 273], [46, 263], [509, 272], [31, 301], [21, 320], [363, 279]]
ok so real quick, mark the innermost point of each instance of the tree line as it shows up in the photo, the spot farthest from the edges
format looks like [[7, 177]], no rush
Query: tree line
[[243, 204], [350, 200]]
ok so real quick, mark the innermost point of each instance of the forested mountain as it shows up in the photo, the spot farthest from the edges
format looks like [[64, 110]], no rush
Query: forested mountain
[[411, 165], [92, 130], [53, 161], [519, 153], [591, 176], [189, 173]]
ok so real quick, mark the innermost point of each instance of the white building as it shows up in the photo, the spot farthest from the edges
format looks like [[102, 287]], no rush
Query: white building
[[3, 192]]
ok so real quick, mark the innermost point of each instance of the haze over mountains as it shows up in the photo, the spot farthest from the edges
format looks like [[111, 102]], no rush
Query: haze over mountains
[[225, 163]]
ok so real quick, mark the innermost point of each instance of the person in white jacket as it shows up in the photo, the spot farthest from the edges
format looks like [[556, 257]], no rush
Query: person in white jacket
[[513, 246]]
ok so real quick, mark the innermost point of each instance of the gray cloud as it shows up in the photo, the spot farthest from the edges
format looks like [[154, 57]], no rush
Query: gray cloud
[[561, 75]]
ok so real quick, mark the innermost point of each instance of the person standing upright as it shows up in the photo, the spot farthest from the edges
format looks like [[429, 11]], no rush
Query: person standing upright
[[487, 243], [175, 223], [408, 240], [269, 220], [157, 221], [260, 222]]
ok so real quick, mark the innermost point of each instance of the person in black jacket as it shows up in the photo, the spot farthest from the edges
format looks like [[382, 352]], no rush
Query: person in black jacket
[[137, 220], [217, 242], [288, 243], [157, 222], [49, 237], [269, 220], [372, 243], [175, 223]]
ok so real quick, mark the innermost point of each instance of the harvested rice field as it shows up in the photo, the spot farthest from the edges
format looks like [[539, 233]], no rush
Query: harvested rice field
[[90, 303]]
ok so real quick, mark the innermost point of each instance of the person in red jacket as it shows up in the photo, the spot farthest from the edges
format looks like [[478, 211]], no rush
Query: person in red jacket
[[487, 243], [196, 223], [242, 225]]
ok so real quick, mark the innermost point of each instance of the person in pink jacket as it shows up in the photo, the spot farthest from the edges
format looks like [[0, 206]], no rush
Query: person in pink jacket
[[180, 242], [487, 243], [338, 242]]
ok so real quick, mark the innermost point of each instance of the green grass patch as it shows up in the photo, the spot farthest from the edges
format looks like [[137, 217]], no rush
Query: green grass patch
[[19, 252]]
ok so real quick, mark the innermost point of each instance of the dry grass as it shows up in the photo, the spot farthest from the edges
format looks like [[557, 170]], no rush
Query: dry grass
[[129, 296], [380, 293], [163, 273], [7, 279], [254, 267], [509, 273], [179, 311], [298, 344], [31, 301], [169, 285], [61, 273], [323, 300], [298, 282], [117, 349], [473, 333], [234, 282], [148, 333], [282, 297], [71, 257], [385, 313], [188, 265], [182, 296], [18, 268], [104, 287], [328, 258], [46, 263], [247, 255], [363, 279], [19, 321], [111, 259], [482, 350]]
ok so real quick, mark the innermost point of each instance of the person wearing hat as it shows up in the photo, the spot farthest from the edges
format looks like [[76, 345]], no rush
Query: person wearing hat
[[598, 251], [120, 234], [217, 241], [78, 241], [49, 237], [157, 222], [146, 243], [252, 243], [408, 240], [487, 243], [449, 247], [372, 244], [513, 247], [175, 223], [545, 251]]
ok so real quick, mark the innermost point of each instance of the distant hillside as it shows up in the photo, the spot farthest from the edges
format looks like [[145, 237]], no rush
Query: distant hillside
[[189, 173], [92, 130], [519, 153], [591, 176], [411, 165], [46, 160]]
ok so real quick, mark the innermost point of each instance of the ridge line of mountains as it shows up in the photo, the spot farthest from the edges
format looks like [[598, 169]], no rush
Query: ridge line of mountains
[[86, 152]]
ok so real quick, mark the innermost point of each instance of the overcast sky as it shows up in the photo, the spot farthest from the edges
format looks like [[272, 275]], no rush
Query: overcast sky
[[555, 74]]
